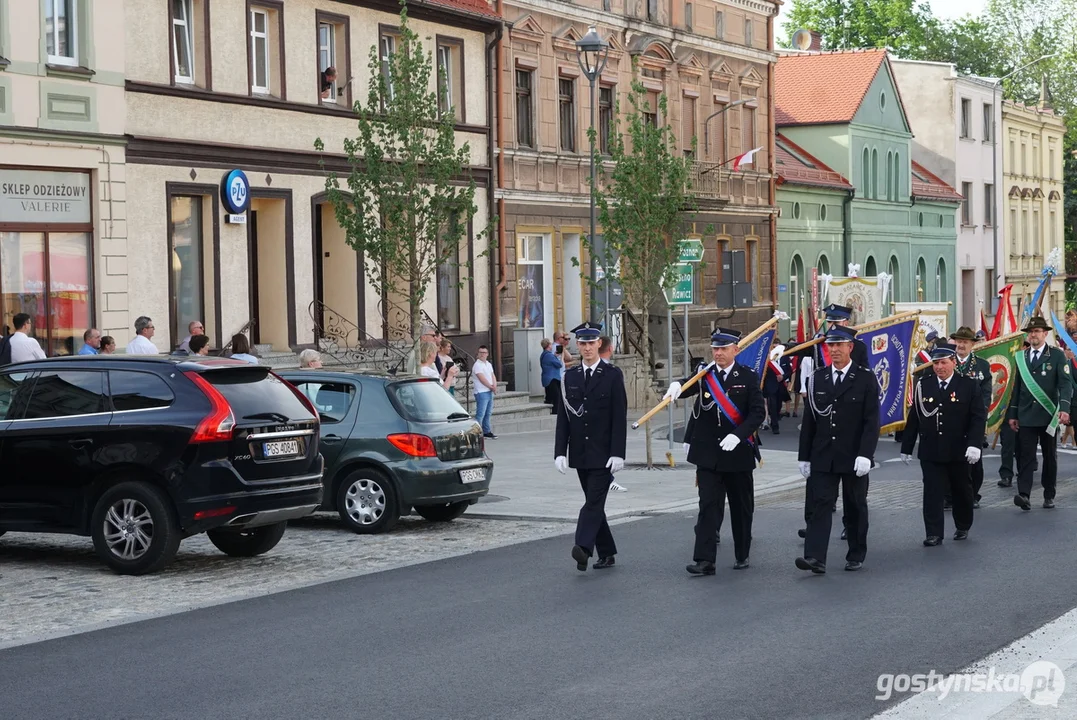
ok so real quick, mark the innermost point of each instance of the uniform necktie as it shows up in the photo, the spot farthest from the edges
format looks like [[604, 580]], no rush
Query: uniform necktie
[[587, 377], [837, 377], [942, 385], [1035, 356]]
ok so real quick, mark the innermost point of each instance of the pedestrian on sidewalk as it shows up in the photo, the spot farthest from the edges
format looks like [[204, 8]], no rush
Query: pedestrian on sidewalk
[[141, 344], [948, 417], [1040, 401], [591, 435], [728, 410], [605, 352], [484, 386], [838, 439], [552, 367]]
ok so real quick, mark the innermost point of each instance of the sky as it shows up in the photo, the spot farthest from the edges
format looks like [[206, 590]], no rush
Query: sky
[[946, 9]]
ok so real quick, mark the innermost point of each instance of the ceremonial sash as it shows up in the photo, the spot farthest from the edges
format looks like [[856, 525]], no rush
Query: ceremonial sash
[[777, 369], [724, 403], [825, 352], [923, 357], [1037, 391]]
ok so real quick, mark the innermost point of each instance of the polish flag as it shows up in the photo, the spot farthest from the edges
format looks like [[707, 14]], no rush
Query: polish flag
[[745, 159], [1005, 323]]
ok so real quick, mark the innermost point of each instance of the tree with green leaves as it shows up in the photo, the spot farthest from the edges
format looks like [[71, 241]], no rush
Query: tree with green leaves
[[643, 201], [902, 25], [405, 208]]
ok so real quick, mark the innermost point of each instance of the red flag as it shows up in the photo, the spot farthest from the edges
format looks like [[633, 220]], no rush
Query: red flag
[[745, 159], [800, 327], [983, 325], [1004, 319]]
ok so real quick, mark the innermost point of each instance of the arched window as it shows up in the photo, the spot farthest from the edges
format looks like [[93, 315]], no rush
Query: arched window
[[895, 181], [888, 181], [940, 281], [875, 174], [797, 290], [869, 267], [866, 190], [922, 284], [823, 265], [892, 270]]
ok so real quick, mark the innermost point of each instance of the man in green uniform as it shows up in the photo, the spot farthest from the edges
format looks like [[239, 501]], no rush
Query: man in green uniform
[[971, 366], [1040, 401]]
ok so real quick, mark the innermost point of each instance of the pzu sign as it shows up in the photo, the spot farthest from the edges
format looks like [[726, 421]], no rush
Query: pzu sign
[[236, 192]]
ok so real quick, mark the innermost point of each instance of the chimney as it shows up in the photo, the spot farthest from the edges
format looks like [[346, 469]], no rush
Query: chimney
[[1045, 104], [816, 40]]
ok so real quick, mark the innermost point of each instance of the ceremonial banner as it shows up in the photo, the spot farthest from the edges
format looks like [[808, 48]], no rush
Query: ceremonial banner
[[933, 316], [862, 295], [889, 346], [1000, 354], [755, 347]]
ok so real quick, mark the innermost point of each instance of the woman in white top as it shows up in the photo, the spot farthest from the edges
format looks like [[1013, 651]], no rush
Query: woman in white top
[[241, 349], [427, 351]]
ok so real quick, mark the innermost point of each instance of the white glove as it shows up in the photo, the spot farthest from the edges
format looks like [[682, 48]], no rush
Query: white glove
[[674, 392], [972, 455], [906, 458], [561, 463], [615, 464], [861, 466], [686, 446], [729, 442], [805, 469]]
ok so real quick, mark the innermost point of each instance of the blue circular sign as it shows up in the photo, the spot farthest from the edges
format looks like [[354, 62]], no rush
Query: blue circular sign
[[236, 192]]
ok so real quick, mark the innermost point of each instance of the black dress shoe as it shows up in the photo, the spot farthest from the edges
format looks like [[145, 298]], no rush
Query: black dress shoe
[[606, 562], [947, 504], [844, 534], [853, 565], [740, 564], [958, 535], [701, 567], [932, 541], [1049, 503], [975, 504], [811, 564], [1005, 483], [1022, 502], [581, 557], [802, 532]]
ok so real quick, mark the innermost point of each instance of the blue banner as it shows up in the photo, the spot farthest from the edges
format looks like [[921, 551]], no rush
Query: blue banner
[[756, 353], [889, 357]]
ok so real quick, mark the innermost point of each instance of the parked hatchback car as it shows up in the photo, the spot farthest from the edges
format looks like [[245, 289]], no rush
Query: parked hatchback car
[[392, 444], [141, 452]]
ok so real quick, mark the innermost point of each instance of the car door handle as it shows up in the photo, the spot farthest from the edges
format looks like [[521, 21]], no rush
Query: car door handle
[[81, 443], [331, 439]]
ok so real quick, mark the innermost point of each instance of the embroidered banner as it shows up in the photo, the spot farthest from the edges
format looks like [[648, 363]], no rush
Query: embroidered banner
[[1000, 354], [889, 357], [755, 348]]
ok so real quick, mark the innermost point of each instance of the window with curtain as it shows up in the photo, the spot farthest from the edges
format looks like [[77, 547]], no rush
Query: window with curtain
[[688, 125], [605, 118], [61, 31]]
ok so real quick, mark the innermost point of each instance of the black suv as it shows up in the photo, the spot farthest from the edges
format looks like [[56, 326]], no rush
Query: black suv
[[141, 452]]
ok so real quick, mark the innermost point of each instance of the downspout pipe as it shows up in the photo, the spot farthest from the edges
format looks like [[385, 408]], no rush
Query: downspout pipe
[[847, 226], [497, 260], [772, 182]]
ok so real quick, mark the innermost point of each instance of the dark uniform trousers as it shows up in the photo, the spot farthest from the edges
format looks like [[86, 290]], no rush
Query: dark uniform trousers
[[823, 487], [714, 488], [940, 479], [1008, 440], [1027, 439], [592, 530]]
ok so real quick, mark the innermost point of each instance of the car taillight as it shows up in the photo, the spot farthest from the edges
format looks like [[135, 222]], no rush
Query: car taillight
[[220, 423], [413, 444], [299, 394]]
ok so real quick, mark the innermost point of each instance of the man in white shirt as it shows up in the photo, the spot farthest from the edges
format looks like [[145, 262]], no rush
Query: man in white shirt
[[24, 347], [485, 384], [141, 344], [194, 327]]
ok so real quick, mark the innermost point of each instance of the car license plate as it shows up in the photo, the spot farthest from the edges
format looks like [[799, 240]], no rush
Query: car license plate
[[281, 448], [473, 475]]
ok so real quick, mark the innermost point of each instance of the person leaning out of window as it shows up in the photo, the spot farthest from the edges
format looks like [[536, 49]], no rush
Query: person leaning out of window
[[552, 367], [329, 76]]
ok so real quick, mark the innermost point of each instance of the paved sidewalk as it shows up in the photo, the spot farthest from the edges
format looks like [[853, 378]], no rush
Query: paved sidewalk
[[526, 485]]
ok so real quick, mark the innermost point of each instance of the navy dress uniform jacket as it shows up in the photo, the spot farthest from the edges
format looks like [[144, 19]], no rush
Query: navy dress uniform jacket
[[832, 442], [707, 426], [599, 432], [957, 424]]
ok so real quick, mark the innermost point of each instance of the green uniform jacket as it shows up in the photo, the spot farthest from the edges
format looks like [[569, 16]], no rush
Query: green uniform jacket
[[1052, 373], [979, 370]]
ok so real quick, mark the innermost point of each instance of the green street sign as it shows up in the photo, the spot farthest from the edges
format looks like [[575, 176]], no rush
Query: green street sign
[[691, 251], [682, 291]]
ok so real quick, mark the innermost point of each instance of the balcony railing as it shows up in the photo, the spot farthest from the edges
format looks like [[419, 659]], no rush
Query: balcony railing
[[710, 180]]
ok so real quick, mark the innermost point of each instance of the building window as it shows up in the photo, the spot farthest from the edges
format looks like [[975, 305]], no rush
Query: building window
[[966, 203], [605, 118], [989, 204], [866, 172], [1024, 159], [688, 16], [748, 32], [650, 110], [1035, 158], [525, 125], [888, 182], [989, 122], [451, 77], [870, 270], [940, 281], [566, 103], [531, 281], [688, 126], [387, 44], [718, 142], [266, 65], [754, 271], [1013, 156], [334, 59], [895, 180], [652, 10], [875, 174], [719, 25], [1015, 244], [448, 287], [1037, 250], [185, 245], [966, 118], [892, 269], [1051, 163], [61, 31], [183, 41], [921, 281], [747, 141], [1024, 232]]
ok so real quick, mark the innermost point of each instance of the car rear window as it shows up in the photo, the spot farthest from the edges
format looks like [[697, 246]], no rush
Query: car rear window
[[425, 401], [256, 394]]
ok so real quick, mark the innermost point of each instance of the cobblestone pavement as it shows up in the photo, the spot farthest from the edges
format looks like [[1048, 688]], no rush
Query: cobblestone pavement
[[55, 585]]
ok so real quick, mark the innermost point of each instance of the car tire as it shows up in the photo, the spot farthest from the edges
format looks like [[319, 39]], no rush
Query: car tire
[[367, 502], [134, 529], [247, 543], [442, 513]]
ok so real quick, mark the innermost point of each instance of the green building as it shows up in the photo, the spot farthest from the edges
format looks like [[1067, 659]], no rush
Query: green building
[[849, 189]]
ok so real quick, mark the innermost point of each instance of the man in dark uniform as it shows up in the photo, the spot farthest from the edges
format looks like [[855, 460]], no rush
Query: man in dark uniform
[[979, 370], [838, 438], [774, 391], [591, 429], [728, 410], [1040, 400], [948, 416]]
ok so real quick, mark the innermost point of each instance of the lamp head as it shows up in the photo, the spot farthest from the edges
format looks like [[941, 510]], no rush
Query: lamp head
[[590, 49]]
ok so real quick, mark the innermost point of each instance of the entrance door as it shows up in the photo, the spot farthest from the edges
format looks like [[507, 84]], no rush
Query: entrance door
[[252, 269], [535, 282], [572, 280]]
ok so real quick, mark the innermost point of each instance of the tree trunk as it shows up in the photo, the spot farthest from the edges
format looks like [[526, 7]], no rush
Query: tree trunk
[[645, 335]]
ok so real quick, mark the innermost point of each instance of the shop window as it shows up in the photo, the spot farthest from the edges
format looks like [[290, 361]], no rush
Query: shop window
[[190, 42], [451, 77], [61, 32], [186, 244], [334, 60], [266, 27], [525, 109]]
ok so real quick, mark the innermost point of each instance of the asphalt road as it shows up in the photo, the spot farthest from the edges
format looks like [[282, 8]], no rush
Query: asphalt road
[[519, 633]]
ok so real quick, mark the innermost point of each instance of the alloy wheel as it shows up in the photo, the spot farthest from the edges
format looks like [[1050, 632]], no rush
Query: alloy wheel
[[128, 529]]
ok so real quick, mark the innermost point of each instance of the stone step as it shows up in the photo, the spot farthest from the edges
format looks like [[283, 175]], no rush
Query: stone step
[[513, 423]]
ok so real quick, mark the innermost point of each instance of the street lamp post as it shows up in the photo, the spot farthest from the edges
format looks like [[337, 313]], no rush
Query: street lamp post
[[592, 52], [707, 135], [996, 111]]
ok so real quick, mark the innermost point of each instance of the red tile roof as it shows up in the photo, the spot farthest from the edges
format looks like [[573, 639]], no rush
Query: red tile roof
[[927, 186], [470, 7], [796, 166], [821, 88]]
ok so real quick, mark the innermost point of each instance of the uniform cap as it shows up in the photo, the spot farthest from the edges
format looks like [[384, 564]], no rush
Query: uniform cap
[[587, 331], [840, 334], [724, 337], [837, 312]]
